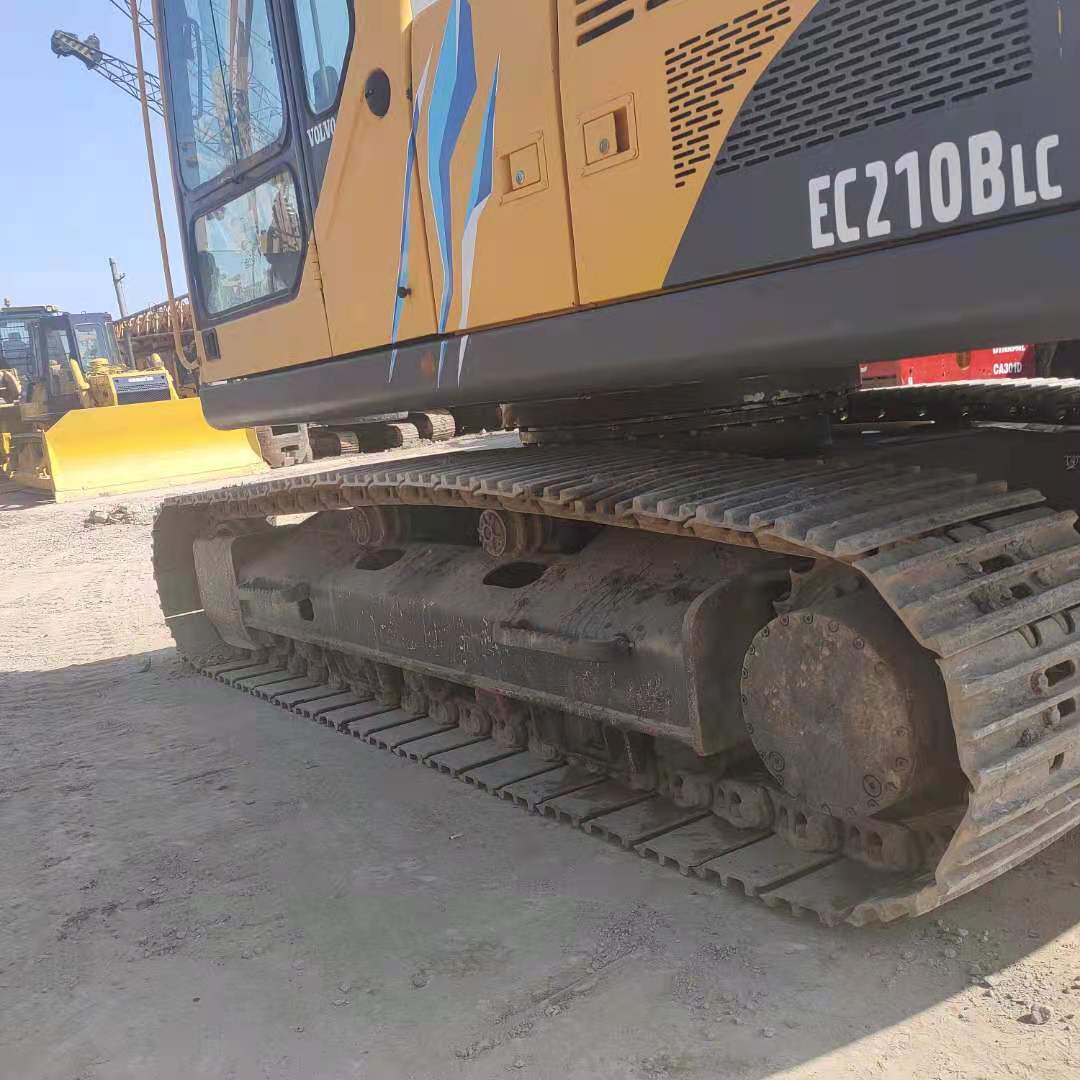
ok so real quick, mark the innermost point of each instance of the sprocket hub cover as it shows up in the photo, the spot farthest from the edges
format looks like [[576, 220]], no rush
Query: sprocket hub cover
[[843, 707]]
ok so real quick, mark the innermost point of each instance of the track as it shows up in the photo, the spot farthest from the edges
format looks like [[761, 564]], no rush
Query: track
[[1016, 401], [986, 578], [693, 841]]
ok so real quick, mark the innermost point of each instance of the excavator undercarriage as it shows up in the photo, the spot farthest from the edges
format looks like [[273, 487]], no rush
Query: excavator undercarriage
[[719, 606], [844, 682]]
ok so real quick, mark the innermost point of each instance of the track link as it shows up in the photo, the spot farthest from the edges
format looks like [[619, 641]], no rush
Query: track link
[[1017, 401], [986, 578]]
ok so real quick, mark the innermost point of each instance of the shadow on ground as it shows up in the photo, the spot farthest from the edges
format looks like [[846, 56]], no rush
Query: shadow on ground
[[196, 884], [16, 498]]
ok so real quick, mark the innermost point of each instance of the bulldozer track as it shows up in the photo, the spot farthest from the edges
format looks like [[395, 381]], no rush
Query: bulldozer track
[[986, 578]]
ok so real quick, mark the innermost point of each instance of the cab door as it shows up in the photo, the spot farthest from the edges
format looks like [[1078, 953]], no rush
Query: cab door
[[241, 185], [58, 349], [353, 97]]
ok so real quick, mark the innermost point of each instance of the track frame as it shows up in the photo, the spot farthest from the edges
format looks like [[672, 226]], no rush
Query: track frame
[[986, 578]]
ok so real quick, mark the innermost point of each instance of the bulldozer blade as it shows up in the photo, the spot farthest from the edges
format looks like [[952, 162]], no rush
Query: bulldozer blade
[[113, 451]]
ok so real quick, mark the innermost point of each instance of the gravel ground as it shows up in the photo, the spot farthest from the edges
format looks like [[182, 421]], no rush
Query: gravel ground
[[196, 885]]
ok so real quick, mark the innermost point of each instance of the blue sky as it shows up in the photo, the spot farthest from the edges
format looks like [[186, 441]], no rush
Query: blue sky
[[74, 187]]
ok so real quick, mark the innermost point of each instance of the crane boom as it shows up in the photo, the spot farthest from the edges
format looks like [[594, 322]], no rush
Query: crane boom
[[125, 75], [146, 24], [119, 72]]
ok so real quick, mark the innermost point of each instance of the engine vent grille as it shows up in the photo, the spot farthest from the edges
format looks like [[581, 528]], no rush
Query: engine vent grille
[[702, 69], [599, 17], [854, 65]]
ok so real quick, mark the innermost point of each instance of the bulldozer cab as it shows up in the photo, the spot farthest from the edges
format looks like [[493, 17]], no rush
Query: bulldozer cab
[[121, 382], [39, 343], [49, 351]]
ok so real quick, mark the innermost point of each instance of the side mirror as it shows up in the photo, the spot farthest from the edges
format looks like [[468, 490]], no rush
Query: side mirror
[[324, 88]]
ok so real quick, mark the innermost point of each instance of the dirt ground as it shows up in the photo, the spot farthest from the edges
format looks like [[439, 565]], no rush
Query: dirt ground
[[193, 884]]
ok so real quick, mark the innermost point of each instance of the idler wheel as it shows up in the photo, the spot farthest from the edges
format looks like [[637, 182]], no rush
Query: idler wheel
[[847, 711]]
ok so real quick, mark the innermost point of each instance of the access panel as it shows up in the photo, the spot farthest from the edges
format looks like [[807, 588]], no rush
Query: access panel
[[650, 90]]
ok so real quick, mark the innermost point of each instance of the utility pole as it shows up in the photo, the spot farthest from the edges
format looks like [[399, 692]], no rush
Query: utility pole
[[121, 303], [118, 285], [144, 101]]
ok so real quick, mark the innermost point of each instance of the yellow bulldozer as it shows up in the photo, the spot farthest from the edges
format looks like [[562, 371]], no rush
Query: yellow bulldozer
[[75, 420]]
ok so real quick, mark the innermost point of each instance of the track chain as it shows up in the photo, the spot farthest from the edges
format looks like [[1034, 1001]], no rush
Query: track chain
[[986, 578], [1017, 401], [692, 840]]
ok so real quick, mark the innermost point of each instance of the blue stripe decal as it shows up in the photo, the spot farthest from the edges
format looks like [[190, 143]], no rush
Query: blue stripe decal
[[452, 93], [485, 157], [482, 183]]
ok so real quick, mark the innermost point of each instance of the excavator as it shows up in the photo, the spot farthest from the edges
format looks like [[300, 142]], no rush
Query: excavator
[[61, 375], [718, 604]]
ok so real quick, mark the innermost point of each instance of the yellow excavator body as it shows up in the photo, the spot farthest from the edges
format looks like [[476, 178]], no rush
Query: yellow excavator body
[[82, 424]]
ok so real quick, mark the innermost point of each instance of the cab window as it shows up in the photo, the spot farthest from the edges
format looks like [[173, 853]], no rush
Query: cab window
[[251, 248], [93, 343], [225, 85], [58, 347], [325, 29], [16, 348]]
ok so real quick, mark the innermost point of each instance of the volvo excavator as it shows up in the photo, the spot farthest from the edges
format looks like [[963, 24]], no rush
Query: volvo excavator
[[721, 607]]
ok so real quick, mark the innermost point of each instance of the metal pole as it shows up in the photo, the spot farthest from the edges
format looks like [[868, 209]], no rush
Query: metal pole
[[118, 285], [121, 303], [174, 315], [321, 52]]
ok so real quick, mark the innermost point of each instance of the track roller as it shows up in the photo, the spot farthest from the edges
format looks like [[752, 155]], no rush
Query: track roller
[[435, 426], [334, 442]]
